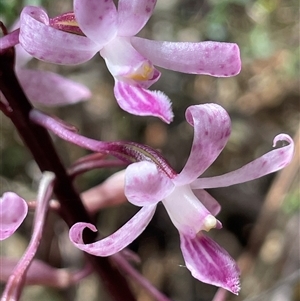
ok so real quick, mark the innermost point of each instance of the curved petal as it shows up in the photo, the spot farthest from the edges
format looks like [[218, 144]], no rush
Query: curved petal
[[212, 58], [145, 184], [51, 89], [52, 45], [13, 210], [133, 15], [142, 102], [210, 263], [22, 57], [97, 19], [211, 204], [118, 240], [211, 131], [268, 163]]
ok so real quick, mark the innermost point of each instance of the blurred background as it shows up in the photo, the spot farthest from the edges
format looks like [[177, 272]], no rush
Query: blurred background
[[260, 218]]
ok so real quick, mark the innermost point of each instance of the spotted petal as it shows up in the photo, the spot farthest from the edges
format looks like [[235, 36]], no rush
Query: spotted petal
[[211, 132], [212, 58], [268, 163], [13, 210], [51, 89], [145, 184], [118, 240], [210, 263], [97, 19], [133, 15], [142, 102], [42, 41]]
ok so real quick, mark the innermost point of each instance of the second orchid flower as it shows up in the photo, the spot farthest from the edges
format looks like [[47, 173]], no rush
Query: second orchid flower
[[150, 180], [98, 26]]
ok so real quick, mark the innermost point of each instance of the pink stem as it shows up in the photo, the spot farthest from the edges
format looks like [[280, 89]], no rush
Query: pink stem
[[17, 279]]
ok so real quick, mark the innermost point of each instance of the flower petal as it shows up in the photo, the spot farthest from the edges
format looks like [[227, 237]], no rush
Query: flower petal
[[212, 58], [211, 132], [145, 184], [50, 44], [118, 240], [22, 57], [13, 210], [133, 15], [210, 263], [97, 19], [51, 89], [142, 102], [211, 204], [268, 163]]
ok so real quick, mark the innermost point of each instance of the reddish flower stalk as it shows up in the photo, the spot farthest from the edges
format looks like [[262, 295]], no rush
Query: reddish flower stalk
[[41, 147]]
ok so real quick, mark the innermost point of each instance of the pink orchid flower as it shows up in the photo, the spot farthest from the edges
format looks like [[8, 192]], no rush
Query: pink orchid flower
[[13, 210], [131, 60], [189, 206]]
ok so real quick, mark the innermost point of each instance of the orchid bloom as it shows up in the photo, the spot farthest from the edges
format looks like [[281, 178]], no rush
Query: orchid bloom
[[97, 25], [190, 207], [13, 210]]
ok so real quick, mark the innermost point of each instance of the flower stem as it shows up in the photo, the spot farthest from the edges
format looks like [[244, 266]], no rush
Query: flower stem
[[38, 141]]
